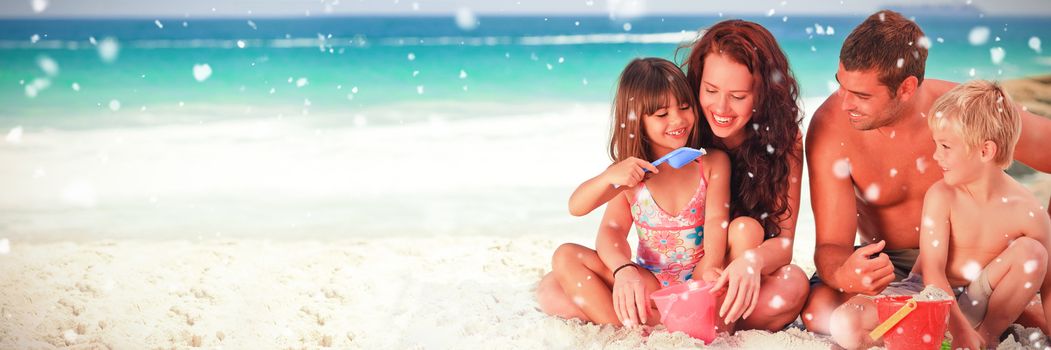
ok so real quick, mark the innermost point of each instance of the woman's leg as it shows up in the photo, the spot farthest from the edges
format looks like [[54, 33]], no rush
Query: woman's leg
[[782, 293]]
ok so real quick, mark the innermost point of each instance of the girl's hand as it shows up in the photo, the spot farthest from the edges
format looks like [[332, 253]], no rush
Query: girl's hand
[[630, 297], [628, 172], [742, 277], [711, 275]]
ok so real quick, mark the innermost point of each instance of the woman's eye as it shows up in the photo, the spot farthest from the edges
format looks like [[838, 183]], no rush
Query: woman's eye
[[684, 106], [709, 91], [737, 97]]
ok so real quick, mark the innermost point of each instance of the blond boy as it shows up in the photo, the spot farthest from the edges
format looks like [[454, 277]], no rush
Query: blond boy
[[983, 237]]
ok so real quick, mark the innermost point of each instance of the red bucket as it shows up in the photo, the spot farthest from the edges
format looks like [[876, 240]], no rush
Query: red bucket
[[923, 328]]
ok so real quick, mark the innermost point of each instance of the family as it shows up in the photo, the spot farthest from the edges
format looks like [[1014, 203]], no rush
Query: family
[[909, 168]]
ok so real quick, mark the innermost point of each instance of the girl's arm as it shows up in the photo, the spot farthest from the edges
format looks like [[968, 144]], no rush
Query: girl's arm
[[716, 214], [772, 254], [630, 297], [613, 181]]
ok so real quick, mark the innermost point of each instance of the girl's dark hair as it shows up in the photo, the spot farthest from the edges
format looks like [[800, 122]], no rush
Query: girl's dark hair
[[643, 88], [760, 179]]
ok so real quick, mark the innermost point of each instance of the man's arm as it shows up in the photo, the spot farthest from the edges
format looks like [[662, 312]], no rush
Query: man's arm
[[831, 198], [1033, 143]]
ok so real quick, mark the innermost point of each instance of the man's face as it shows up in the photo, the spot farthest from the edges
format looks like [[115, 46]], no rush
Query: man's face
[[868, 102]]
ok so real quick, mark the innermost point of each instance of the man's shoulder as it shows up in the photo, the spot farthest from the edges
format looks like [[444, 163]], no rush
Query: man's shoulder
[[826, 120]]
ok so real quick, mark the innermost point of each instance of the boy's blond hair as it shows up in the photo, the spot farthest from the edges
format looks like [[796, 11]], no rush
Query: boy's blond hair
[[979, 111]]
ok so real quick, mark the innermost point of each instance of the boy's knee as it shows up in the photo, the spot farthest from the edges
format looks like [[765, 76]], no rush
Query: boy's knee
[[1027, 249], [567, 253]]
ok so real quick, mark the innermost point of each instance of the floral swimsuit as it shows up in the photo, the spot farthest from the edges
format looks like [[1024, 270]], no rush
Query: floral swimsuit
[[669, 246]]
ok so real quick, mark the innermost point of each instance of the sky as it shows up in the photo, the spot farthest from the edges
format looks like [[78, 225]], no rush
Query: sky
[[299, 8]]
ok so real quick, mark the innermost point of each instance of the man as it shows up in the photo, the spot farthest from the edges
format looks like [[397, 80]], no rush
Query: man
[[869, 152]]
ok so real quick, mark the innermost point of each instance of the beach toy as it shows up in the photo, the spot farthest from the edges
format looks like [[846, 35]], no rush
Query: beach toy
[[688, 308], [679, 157], [906, 323]]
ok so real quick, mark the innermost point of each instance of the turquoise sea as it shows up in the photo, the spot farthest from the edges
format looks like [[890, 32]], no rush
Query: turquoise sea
[[177, 127]]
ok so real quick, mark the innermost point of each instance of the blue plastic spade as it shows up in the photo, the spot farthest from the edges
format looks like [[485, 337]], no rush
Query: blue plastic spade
[[679, 157]]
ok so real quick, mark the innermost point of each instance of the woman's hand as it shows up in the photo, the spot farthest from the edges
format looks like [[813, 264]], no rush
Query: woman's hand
[[742, 278], [712, 275], [628, 172], [630, 297]]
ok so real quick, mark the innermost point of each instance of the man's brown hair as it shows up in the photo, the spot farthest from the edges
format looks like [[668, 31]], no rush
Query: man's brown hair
[[890, 44]]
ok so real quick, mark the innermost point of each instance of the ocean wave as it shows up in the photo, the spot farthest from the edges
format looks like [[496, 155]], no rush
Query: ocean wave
[[362, 41]]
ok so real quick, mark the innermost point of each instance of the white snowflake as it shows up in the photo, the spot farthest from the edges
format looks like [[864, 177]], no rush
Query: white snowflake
[[921, 165], [114, 105], [872, 193], [926, 338], [15, 135], [240, 44], [997, 55], [1034, 43], [971, 270], [841, 168], [935, 243], [48, 65], [978, 36], [1030, 266], [893, 172], [201, 72], [777, 302], [301, 82], [901, 62], [158, 23], [419, 89], [463, 74], [108, 50], [5, 246], [411, 56], [39, 5], [465, 19]]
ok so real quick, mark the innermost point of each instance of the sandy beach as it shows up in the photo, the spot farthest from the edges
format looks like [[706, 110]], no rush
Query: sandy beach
[[425, 291], [430, 293]]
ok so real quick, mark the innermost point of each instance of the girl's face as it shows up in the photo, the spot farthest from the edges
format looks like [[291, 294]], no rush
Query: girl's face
[[726, 97], [669, 127]]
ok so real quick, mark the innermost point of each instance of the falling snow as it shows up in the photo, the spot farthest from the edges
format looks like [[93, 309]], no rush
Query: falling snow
[[1030, 266], [301, 82], [978, 36], [777, 302], [997, 54], [5, 246], [921, 165], [872, 193], [841, 168], [39, 5], [201, 72], [114, 105], [971, 270], [465, 19], [893, 172], [15, 135], [1034, 43], [108, 49], [926, 338]]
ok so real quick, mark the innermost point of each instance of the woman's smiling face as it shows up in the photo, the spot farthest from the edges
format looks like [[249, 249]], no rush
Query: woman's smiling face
[[726, 97]]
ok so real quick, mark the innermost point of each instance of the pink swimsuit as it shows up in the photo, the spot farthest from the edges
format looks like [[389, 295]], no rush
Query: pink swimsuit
[[669, 246]]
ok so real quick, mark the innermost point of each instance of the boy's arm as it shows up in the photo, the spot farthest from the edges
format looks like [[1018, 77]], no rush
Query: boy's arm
[[716, 213], [600, 189], [934, 248]]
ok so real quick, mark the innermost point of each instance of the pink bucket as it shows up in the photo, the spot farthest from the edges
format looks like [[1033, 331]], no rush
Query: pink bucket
[[688, 308]]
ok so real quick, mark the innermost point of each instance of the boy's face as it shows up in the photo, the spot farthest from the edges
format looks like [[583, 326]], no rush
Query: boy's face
[[959, 164]]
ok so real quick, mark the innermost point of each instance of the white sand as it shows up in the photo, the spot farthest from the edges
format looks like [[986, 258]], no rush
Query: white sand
[[402, 293]]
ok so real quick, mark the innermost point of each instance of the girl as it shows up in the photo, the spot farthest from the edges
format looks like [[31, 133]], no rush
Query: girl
[[673, 210]]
